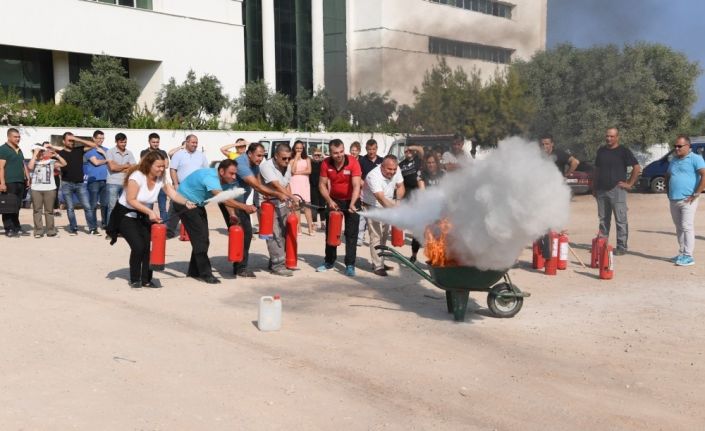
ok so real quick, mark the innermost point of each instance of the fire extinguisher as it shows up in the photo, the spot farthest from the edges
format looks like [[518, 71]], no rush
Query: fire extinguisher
[[266, 220], [397, 237], [598, 243], [551, 264], [537, 261], [335, 228], [562, 251], [291, 246], [606, 262], [183, 234], [158, 252], [236, 243]]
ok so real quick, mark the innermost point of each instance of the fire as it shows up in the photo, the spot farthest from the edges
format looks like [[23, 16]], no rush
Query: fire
[[436, 248]]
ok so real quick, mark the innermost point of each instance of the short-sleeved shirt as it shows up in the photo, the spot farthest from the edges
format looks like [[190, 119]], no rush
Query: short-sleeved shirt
[[159, 150], [232, 155], [341, 186], [43, 175], [430, 180], [145, 196], [612, 166], [376, 182], [185, 163], [684, 176], [121, 159], [91, 171], [245, 169], [560, 158], [14, 164], [269, 173], [366, 165], [73, 171], [197, 187], [450, 158], [410, 171]]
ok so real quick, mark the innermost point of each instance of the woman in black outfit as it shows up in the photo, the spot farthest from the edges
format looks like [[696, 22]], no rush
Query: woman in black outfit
[[429, 176], [313, 178]]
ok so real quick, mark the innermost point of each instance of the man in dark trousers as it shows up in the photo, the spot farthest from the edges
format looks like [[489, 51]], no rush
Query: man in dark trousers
[[370, 161], [340, 187], [610, 189], [14, 177]]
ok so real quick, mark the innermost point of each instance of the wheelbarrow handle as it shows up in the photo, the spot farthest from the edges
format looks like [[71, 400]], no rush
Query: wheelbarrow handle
[[391, 253]]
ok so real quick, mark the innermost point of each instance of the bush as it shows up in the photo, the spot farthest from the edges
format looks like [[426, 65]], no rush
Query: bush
[[260, 106], [195, 103]]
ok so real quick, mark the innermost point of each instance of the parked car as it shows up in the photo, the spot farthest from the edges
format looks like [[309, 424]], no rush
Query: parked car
[[580, 181], [271, 143], [653, 177], [441, 143]]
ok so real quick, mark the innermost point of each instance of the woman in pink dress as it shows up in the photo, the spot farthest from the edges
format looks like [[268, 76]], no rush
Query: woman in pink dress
[[300, 170]]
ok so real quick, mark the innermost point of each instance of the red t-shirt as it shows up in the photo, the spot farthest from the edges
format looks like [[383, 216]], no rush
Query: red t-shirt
[[341, 180]]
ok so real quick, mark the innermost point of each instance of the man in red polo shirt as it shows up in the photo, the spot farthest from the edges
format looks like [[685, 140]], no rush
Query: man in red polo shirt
[[340, 188]]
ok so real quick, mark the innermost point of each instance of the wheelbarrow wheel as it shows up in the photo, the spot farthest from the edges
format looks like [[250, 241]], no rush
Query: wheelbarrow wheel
[[502, 306]]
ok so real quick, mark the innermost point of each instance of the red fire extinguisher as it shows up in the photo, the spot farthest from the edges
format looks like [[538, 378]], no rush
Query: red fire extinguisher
[[551, 264], [266, 220], [183, 234], [606, 262], [562, 251], [236, 243], [335, 228], [158, 252], [291, 246], [598, 243], [537, 261], [397, 237]]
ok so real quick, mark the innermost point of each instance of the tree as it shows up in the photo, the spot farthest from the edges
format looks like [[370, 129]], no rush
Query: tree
[[260, 108], [371, 111], [646, 90], [104, 90], [314, 111], [697, 125], [195, 102]]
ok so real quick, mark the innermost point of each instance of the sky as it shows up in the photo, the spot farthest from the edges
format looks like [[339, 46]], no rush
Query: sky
[[675, 23]]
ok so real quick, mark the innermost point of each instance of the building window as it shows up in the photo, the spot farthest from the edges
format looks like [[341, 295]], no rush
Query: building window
[[335, 49], [490, 7], [252, 19], [454, 48], [29, 72], [80, 62], [139, 4]]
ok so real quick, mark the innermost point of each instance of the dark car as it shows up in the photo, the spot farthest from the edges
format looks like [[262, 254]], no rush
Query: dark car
[[580, 181], [653, 177]]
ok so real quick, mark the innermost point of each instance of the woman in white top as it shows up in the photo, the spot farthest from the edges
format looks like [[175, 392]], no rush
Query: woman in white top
[[134, 213], [43, 187]]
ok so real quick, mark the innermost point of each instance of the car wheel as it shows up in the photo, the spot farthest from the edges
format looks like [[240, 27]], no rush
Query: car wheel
[[658, 185]]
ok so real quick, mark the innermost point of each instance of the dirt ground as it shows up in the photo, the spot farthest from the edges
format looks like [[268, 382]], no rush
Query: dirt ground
[[81, 350]]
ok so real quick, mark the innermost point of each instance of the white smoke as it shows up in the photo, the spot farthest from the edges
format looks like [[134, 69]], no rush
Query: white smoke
[[225, 195], [496, 206]]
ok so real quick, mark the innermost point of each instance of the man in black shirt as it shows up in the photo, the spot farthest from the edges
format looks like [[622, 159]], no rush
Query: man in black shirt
[[72, 182], [610, 189], [561, 158], [410, 168], [367, 163], [153, 140]]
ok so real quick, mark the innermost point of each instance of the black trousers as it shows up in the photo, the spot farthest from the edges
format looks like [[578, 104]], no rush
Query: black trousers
[[352, 224], [136, 232], [196, 224], [11, 221]]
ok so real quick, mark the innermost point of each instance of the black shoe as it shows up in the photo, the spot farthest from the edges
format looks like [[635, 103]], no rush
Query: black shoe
[[210, 279], [170, 235], [381, 272], [620, 252], [12, 234], [135, 284], [388, 268], [149, 284], [246, 273], [412, 259]]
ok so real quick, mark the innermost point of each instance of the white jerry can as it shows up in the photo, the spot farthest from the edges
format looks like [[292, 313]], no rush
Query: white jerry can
[[270, 313]]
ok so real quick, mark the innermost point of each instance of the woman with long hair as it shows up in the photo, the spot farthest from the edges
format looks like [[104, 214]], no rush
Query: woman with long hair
[[429, 175], [300, 185], [134, 213]]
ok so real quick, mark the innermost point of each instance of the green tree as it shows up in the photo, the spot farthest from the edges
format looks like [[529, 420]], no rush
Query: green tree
[[371, 111], [195, 102], [104, 90], [646, 90], [697, 125], [314, 111], [259, 108]]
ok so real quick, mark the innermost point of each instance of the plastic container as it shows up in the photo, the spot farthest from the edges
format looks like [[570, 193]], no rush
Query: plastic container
[[269, 317]]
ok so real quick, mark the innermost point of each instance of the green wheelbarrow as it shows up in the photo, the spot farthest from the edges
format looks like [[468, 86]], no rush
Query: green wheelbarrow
[[503, 299]]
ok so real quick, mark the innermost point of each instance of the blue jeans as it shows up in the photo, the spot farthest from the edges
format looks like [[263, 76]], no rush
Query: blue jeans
[[114, 191], [98, 194], [68, 189], [161, 201]]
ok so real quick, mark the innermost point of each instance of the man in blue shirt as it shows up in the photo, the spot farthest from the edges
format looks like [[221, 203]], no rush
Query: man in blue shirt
[[685, 180], [95, 169], [199, 186]]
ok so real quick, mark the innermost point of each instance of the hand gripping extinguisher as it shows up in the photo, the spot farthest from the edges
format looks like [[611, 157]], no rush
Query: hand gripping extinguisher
[[537, 261], [397, 237], [236, 243], [266, 220], [606, 262], [183, 234], [291, 246], [158, 252], [335, 228], [598, 243], [562, 251], [551, 264]]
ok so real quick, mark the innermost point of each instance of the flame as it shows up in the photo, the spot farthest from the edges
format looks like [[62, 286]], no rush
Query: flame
[[436, 248]]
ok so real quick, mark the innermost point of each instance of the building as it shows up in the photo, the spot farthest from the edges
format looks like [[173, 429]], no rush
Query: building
[[346, 46]]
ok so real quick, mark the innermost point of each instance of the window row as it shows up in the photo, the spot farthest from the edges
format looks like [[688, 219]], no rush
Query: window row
[[474, 51], [490, 7], [140, 4]]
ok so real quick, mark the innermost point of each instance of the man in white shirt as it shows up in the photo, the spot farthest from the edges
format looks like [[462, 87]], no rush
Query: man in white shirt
[[378, 192], [183, 163], [453, 159]]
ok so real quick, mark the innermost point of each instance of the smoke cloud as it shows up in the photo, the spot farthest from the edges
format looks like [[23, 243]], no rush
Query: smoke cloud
[[496, 206]]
